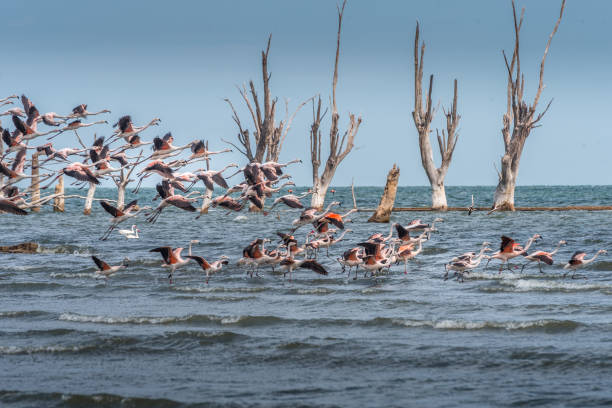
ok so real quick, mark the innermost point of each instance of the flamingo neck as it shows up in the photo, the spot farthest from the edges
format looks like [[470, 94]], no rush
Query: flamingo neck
[[556, 249]]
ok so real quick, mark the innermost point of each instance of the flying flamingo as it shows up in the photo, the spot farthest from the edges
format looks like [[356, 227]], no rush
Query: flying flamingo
[[309, 215], [273, 170], [541, 256], [76, 124], [77, 171], [510, 249], [130, 233], [127, 129], [172, 258], [290, 200], [209, 177], [463, 266], [8, 206], [119, 216], [16, 172], [289, 265], [578, 261], [163, 147], [210, 268], [198, 150], [105, 270], [14, 112], [80, 111], [166, 192], [28, 131]]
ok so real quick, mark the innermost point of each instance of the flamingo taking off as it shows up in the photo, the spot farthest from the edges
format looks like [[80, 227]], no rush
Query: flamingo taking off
[[210, 268], [105, 270], [577, 261], [542, 256]]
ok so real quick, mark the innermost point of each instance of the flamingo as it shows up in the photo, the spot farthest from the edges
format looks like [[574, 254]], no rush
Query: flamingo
[[130, 233], [273, 170], [162, 147], [14, 112], [198, 150], [578, 261], [127, 129], [74, 125], [209, 177], [374, 260], [227, 202], [463, 266], [541, 256], [28, 130], [467, 256], [351, 258], [49, 119], [78, 171], [290, 200], [105, 270], [326, 242], [16, 172], [119, 216], [210, 268], [309, 215], [80, 111], [8, 206], [510, 249], [172, 258], [289, 265], [166, 192], [407, 252]]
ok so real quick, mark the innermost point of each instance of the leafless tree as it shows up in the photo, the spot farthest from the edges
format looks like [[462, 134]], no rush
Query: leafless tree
[[268, 137], [423, 116], [520, 118], [339, 147]]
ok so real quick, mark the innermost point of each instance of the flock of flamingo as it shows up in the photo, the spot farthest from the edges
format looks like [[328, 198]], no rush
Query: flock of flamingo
[[374, 255]]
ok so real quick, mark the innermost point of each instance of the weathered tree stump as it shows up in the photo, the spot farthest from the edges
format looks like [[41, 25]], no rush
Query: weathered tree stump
[[35, 182], [58, 202], [383, 212], [89, 199]]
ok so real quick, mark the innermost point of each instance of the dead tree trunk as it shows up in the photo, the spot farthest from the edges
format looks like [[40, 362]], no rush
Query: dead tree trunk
[[89, 199], [35, 186], [423, 117], [58, 202], [207, 200], [124, 180], [268, 136], [338, 150], [520, 118], [383, 212]]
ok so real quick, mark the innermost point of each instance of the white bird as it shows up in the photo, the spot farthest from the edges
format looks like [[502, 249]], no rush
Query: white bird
[[130, 233]]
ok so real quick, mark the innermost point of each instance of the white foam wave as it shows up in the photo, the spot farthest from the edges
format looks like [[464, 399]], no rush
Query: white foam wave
[[73, 317], [450, 324], [72, 275], [525, 285], [314, 291], [40, 349]]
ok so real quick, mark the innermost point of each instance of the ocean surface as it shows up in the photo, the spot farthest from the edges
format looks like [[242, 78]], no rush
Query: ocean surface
[[506, 340]]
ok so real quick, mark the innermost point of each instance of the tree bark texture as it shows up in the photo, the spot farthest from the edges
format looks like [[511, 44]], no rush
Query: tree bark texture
[[520, 118], [58, 202], [35, 182], [383, 212]]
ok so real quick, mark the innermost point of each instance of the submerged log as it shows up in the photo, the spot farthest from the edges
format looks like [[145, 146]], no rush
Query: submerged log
[[487, 209], [58, 202], [23, 248], [383, 212]]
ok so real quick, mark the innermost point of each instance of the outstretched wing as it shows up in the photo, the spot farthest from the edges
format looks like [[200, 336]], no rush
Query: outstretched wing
[[103, 266], [10, 207], [201, 261], [130, 206], [110, 209], [335, 219], [218, 178], [506, 242], [181, 203], [314, 266], [166, 252]]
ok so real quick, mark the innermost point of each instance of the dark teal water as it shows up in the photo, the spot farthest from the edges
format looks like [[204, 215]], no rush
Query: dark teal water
[[530, 339]]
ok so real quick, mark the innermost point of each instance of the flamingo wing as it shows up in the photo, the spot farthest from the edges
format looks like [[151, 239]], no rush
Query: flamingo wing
[[577, 258], [129, 206], [506, 244], [166, 253], [314, 266], [201, 261], [335, 219], [543, 257], [10, 207], [292, 202], [111, 209], [19, 124], [7, 138], [103, 266], [219, 180], [198, 147], [180, 202]]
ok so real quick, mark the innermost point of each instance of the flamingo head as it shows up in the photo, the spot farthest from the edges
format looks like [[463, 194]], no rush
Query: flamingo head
[[602, 251]]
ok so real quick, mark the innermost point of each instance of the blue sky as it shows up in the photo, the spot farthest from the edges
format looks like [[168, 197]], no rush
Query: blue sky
[[179, 60]]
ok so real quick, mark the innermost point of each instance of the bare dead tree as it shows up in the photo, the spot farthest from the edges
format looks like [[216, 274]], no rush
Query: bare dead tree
[[268, 137], [520, 118], [123, 180], [423, 116], [339, 147]]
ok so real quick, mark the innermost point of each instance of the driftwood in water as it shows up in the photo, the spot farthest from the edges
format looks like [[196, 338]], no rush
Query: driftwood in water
[[520, 118], [23, 248], [383, 212], [35, 186], [58, 202]]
